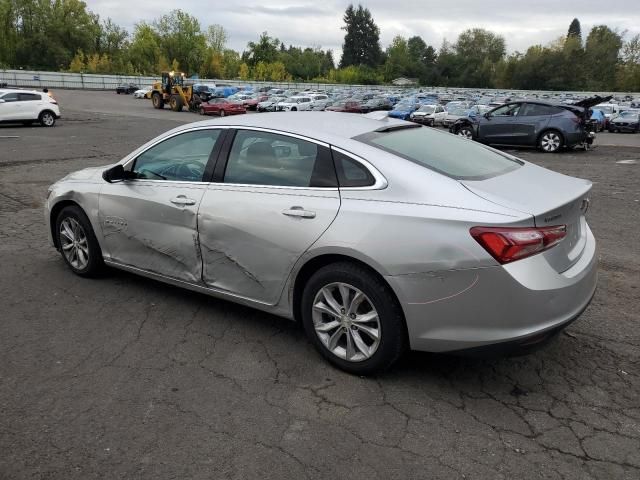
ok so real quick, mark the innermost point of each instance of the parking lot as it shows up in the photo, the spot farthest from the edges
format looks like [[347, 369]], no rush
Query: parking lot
[[124, 377]]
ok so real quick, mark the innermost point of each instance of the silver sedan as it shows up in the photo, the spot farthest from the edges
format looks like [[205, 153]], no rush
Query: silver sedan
[[378, 235]]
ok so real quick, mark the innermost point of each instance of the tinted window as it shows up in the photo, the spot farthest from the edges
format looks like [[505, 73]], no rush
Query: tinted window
[[180, 158], [10, 97], [447, 154], [26, 97], [261, 158], [350, 172], [534, 109]]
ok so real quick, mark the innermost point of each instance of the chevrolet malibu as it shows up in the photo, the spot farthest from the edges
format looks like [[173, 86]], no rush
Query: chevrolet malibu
[[379, 235]]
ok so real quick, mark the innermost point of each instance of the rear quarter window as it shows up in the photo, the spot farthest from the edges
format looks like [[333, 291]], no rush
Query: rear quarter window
[[442, 152]]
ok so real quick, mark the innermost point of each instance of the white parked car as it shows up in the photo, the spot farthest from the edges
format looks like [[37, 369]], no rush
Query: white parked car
[[429, 115], [143, 92], [293, 104], [28, 106], [610, 110]]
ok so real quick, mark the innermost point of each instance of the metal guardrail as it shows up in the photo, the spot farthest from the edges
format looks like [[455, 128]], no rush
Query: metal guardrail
[[86, 81]]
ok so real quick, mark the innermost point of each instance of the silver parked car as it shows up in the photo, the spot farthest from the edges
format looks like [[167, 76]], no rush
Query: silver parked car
[[378, 235]]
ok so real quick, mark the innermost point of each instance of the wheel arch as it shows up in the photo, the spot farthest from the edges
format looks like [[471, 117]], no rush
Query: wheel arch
[[313, 264], [53, 215]]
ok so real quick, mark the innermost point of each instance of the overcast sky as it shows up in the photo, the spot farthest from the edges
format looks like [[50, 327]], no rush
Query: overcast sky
[[317, 23]]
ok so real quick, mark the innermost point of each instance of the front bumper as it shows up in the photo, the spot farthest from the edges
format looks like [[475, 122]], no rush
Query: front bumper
[[516, 303]]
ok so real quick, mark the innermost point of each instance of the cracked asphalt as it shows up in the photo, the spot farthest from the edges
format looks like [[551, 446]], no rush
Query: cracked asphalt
[[124, 377]]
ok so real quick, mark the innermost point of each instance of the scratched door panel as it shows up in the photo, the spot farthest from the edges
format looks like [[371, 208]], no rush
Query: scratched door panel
[[250, 239], [142, 227]]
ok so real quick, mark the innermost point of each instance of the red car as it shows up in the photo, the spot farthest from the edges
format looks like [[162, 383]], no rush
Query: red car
[[222, 107], [349, 107], [252, 103]]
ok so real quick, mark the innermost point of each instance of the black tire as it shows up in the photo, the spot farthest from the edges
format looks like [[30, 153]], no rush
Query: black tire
[[47, 118], [222, 112], [176, 103], [393, 339], [550, 141], [95, 263], [157, 100], [294, 109], [202, 111]]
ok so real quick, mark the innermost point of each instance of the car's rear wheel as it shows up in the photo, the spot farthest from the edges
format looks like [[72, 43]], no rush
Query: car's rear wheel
[[353, 319], [294, 109], [77, 242], [550, 141], [47, 119], [466, 132]]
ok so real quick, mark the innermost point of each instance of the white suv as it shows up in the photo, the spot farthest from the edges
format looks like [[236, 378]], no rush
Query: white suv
[[28, 106], [293, 104]]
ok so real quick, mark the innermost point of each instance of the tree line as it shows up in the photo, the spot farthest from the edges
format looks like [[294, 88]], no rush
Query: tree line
[[65, 35]]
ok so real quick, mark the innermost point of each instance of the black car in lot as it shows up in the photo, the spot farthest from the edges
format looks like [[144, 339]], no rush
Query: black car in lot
[[127, 88], [533, 123]]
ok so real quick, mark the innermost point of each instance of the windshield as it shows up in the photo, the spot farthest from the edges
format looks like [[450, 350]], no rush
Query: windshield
[[404, 106], [628, 114], [448, 154], [427, 109]]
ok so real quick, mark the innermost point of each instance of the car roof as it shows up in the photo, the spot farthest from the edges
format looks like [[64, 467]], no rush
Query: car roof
[[16, 90], [323, 126]]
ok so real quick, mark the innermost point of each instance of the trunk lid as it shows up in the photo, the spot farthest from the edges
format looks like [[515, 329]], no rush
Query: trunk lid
[[550, 198]]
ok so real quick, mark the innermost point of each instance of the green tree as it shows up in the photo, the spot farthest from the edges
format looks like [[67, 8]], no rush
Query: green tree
[[217, 38], [144, 51], [602, 50], [362, 40], [628, 74], [180, 38], [575, 30], [478, 50], [264, 50], [243, 72], [398, 61]]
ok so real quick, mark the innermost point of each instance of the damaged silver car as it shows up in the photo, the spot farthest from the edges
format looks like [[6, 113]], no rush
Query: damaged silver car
[[379, 235]]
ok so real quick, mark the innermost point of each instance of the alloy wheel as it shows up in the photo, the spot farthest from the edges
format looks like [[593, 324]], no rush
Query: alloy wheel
[[346, 322], [47, 119], [74, 243], [550, 142], [465, 133]]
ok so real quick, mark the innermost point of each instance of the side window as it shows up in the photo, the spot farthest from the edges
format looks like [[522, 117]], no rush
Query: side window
[[10, 97], [510, 110], [350, 172], [535, 109], [180, 158], [261, 158], [26, 97]]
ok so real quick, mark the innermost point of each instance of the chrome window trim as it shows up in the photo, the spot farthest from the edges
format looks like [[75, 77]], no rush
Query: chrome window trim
[[380, 181]]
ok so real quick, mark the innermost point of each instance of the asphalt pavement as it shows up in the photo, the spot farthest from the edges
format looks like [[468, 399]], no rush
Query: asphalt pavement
[[125, 377]]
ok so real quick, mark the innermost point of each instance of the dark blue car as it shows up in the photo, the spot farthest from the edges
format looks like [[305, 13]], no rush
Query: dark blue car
[[404, 109]]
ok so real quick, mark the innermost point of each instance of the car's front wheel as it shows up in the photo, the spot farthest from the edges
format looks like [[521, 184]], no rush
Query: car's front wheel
[[353, 319], [466, 132], [222, 112], [550, 141], [47, 119], [77, 242]]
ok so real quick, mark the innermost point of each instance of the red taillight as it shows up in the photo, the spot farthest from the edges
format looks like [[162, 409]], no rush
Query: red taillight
[[511, 244]]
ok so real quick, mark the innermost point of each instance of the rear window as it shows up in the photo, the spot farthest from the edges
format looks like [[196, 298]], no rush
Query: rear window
[[444, 153]]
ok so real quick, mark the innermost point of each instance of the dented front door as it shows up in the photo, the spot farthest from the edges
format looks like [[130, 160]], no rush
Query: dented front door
[[152, 225]]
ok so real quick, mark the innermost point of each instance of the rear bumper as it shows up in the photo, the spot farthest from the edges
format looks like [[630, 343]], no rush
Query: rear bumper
[[485, 307]]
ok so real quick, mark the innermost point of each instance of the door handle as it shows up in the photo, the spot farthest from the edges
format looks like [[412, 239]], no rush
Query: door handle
[[183, 200], [299, 212]]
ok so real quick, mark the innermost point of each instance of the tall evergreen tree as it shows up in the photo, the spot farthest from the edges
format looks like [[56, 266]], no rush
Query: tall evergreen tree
[[362, 40], [575, 30]]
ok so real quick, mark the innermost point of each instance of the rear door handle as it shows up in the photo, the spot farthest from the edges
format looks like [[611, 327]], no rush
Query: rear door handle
[[299, 212], [183, 200]]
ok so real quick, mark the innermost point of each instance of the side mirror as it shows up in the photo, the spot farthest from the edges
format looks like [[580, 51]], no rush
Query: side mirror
[[487, 116], [115, 173]]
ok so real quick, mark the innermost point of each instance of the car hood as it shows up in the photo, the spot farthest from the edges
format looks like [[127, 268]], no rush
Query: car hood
[[86, 174], [625, 120], [592, 101]]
